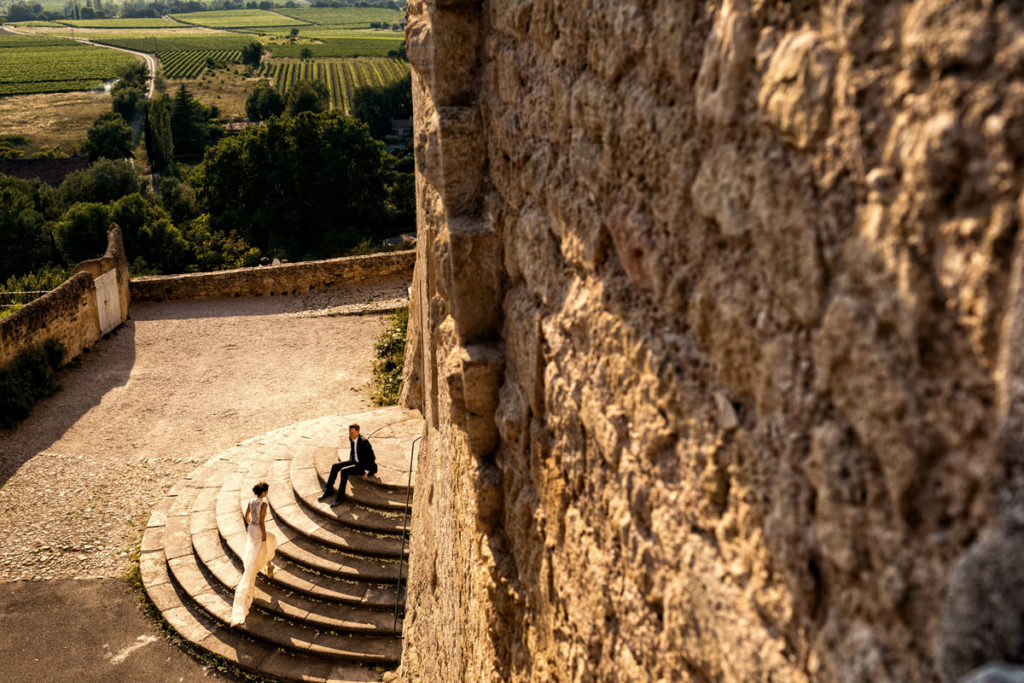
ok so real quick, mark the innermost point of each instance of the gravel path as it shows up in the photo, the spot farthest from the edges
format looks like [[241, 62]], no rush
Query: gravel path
[[177, 384]]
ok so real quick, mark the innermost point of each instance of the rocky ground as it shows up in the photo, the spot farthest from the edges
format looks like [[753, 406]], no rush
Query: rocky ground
[[177, 384]]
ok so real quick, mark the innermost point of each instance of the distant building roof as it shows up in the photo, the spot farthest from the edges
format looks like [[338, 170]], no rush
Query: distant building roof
[[51, 171], [238, 126]]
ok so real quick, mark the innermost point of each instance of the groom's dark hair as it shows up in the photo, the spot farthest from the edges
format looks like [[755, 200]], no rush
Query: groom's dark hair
[[355, 427]]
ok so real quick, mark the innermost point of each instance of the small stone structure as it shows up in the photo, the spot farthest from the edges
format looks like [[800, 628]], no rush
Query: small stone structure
[[716, 329], [289, 278], [91, 303]]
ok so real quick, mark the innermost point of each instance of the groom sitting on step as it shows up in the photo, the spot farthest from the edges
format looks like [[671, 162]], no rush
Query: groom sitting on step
[[361, 460]]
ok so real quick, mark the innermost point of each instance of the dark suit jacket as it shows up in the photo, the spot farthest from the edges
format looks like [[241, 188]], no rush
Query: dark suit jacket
[[366, 457]]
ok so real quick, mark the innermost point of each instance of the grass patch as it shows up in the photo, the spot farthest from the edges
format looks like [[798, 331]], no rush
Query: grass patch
[[32, 375], [227, 88], [389, 358], [49, 121], [9, 310]]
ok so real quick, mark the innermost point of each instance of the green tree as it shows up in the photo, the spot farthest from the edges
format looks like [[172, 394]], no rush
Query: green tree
[[311, 96], [82, 232], [376, 106], [149, 233], [264, 102], [129, 90], [159, 141], [26, 209], [191, 129], [178, 199], [306, 53], [215, 250], [252, 54], [103, 182], [313, 185], [110, 137]]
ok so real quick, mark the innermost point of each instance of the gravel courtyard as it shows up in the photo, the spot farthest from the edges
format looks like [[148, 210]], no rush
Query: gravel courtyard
[[178, 383]]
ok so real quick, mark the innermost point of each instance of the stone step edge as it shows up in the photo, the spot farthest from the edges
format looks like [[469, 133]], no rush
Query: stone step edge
[[226, 643], [307, 493], [290, 510], [307, 458], [230, 534], [301, 637]]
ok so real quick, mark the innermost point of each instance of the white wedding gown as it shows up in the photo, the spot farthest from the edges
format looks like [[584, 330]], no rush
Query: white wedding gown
[[257, 554]]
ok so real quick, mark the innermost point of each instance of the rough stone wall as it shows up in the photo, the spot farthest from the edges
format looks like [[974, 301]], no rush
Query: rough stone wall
[[716, 325], [289, 278], [70, 313]]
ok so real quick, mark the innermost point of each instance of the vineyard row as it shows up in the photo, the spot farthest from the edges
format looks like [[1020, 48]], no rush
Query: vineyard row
[[342, 77], [190, 64]]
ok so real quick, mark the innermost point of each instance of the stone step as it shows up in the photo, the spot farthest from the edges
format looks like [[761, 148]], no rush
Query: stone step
[[194, 625], [367, 492], [335, 641], [328, 614], [288, 510], [231, 527], [286, 633], [318, 529], [308, 489], [292, 591]]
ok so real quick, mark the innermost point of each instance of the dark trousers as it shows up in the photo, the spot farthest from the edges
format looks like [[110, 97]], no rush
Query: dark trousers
[[346, 469]]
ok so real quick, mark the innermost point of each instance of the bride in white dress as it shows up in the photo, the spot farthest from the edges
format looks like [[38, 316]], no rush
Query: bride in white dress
[[259, 550]]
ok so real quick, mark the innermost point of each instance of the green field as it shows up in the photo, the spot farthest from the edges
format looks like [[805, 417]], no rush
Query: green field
[[33, 66], [32, 24], [158, 44], [12, 40], [341, 76], [349, 17], [238, 18], [123, 23], [357, 44]]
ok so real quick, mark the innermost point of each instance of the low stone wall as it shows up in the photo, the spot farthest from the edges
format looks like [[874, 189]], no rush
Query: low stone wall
[[290, 278], [71, 313]]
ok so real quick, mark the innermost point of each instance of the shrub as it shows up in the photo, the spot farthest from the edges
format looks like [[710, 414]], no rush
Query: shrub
[[30, 376], [389, 352]]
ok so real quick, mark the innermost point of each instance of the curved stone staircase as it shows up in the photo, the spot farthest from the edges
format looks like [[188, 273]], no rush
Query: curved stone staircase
[[328, 613]]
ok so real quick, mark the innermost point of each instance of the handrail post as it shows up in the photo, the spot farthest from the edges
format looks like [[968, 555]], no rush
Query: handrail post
[[405, 531]]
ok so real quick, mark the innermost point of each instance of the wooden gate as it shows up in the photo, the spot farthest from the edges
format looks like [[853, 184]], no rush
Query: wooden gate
[[109, 301]]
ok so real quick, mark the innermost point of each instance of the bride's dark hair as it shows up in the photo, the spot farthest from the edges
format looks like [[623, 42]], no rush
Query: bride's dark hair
[[260, 488]]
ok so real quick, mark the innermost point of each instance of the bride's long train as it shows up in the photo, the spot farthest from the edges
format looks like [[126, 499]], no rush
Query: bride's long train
[[257, 555]]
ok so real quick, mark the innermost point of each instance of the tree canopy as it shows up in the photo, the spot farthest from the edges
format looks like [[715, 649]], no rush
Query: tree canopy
[[110, 137], [264, 102], [377, 106], [315, 184]]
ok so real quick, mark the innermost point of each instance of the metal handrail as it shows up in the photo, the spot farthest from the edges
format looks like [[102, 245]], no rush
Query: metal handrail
[[405, 532]]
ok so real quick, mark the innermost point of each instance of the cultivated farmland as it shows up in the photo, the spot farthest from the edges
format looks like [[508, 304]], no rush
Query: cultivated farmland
[[154, 23], [159, 44], [347, 44], [341, 76], [191, 64], [349, 17], [39, 65], [239, 18]]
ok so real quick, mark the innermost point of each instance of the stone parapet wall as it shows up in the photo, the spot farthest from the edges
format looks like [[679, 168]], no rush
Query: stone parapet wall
[[69, 313], [289, 278], [716, 327]]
